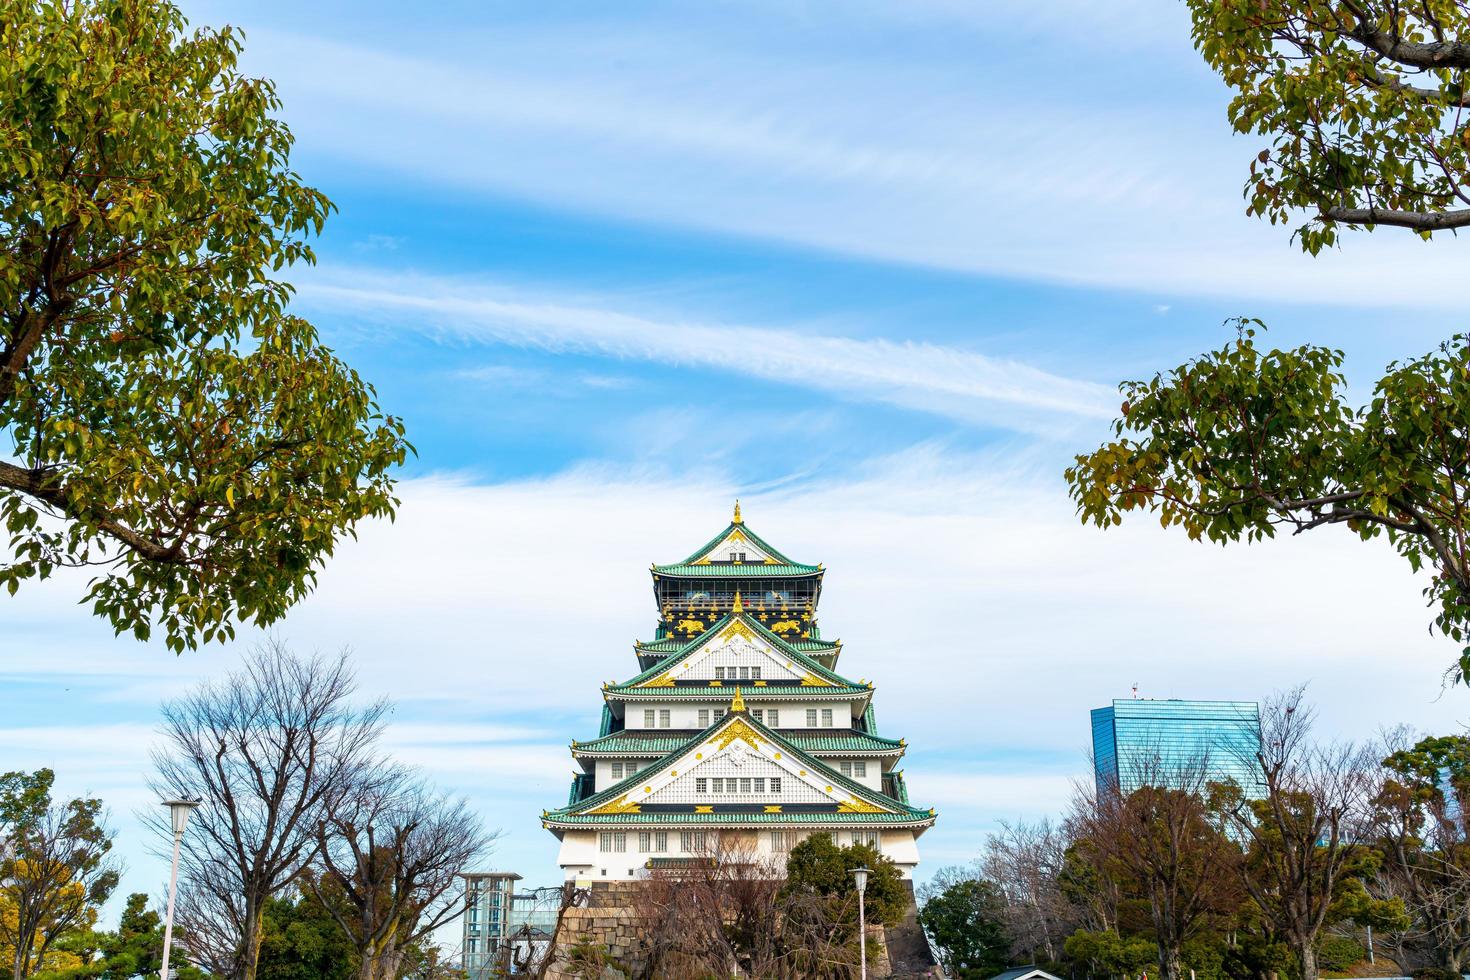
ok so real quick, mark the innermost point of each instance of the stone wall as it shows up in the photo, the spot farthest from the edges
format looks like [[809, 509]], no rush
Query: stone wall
[[609, 928]]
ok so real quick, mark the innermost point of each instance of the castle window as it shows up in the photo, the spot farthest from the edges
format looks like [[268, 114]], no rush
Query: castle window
[[811, 718], [648, 718], [775, 784], [757, 714], [719, 713], [826, 717], [778, 841], [617, 770], [645, 842], [755, 673], [620, 841], [760, 784], [699, 785], [703, 717], [604, 841], [663, 718], [774, 718], [719, 673], [745, 784], [718, 786], [661, 841]]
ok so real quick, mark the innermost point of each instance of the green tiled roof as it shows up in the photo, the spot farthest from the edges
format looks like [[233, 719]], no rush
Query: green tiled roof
[[659, 743], [741, 570], [759, 541], [905, 813], [907, 816], [726, 691], [774, 640]]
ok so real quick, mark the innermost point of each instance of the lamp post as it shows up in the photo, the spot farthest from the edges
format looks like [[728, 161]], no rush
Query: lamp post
[[178, 811], [860, 876]]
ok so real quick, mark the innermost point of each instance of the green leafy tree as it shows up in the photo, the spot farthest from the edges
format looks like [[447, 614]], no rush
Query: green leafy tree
[[168, 419], [1110, 954], [1422, 811], [1241, 442], [1363, 103], [302, 941], [134, 950], [54, 869], [964, 922], [819, 865]]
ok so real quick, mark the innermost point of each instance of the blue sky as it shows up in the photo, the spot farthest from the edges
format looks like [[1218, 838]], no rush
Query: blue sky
[[874, 268]]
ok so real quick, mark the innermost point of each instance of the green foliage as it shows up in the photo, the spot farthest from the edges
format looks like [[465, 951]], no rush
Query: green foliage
[[303, 942], [135, 949], [1360, 102], [1106, 952], [820, 865], [172, 422], [964, 923], [1241, 441], [1337, 953]]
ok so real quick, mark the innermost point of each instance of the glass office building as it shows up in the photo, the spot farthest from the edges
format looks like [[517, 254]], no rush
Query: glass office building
[[1139, 741]]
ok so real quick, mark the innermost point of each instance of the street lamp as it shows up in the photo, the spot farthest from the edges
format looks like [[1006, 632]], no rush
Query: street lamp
[[860, 876], [178, 812]]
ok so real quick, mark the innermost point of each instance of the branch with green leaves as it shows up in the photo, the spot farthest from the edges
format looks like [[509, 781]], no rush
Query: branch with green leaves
[[1364, 102], [1241, 442], [168, 421]]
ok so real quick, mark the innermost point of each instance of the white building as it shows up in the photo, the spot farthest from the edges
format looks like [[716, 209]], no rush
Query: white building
[[738, 736]]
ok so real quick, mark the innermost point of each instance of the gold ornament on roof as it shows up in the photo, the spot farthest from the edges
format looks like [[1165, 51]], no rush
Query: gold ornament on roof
[[737, 703], [738, 628], [737, 730], [738, 607], [617, 806], [856, 805], [736, 519]]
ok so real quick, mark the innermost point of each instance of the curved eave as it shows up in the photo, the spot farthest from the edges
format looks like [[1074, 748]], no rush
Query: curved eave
[[748, 569], [887, 749], [747, 690], [915, 820]]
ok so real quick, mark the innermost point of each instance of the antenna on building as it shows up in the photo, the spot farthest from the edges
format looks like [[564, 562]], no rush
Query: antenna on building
[[1135, 690]]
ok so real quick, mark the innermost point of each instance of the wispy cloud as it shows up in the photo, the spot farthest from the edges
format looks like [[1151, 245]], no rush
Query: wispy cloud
[[948, 380], [951, 160]]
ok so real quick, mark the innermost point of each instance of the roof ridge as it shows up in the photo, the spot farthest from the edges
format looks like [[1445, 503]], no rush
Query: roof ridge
[[719, 626], [853, 788]]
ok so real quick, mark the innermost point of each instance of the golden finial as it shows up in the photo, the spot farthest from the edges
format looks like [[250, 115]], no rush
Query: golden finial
[[736, 519], [737, 703], [739, 606]]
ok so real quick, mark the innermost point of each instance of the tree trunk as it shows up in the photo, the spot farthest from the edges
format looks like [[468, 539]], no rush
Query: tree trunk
[[1171, 962], [254, 933], [1308, 956]]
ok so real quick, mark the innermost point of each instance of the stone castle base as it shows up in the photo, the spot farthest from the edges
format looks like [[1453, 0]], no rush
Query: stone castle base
[[602, 940]]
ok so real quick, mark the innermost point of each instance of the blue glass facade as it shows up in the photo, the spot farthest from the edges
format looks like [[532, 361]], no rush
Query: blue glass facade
[[1135, 742]]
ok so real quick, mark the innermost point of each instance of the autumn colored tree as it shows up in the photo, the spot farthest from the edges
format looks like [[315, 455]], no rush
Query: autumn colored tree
[[1363, 104], [1242, 442], [54, 870], [163, 417], [1421, 817]]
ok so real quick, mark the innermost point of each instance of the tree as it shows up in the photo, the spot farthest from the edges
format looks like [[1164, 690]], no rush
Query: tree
[[54, 869], [819, 865], [1238, 443], [964, 923], [390, 852], [302, 941], [1108, 953], [169, 420], [1421, 815], [1305, 862], [1025, 862], [266, 749], [1363, 102], [1159, 844]]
